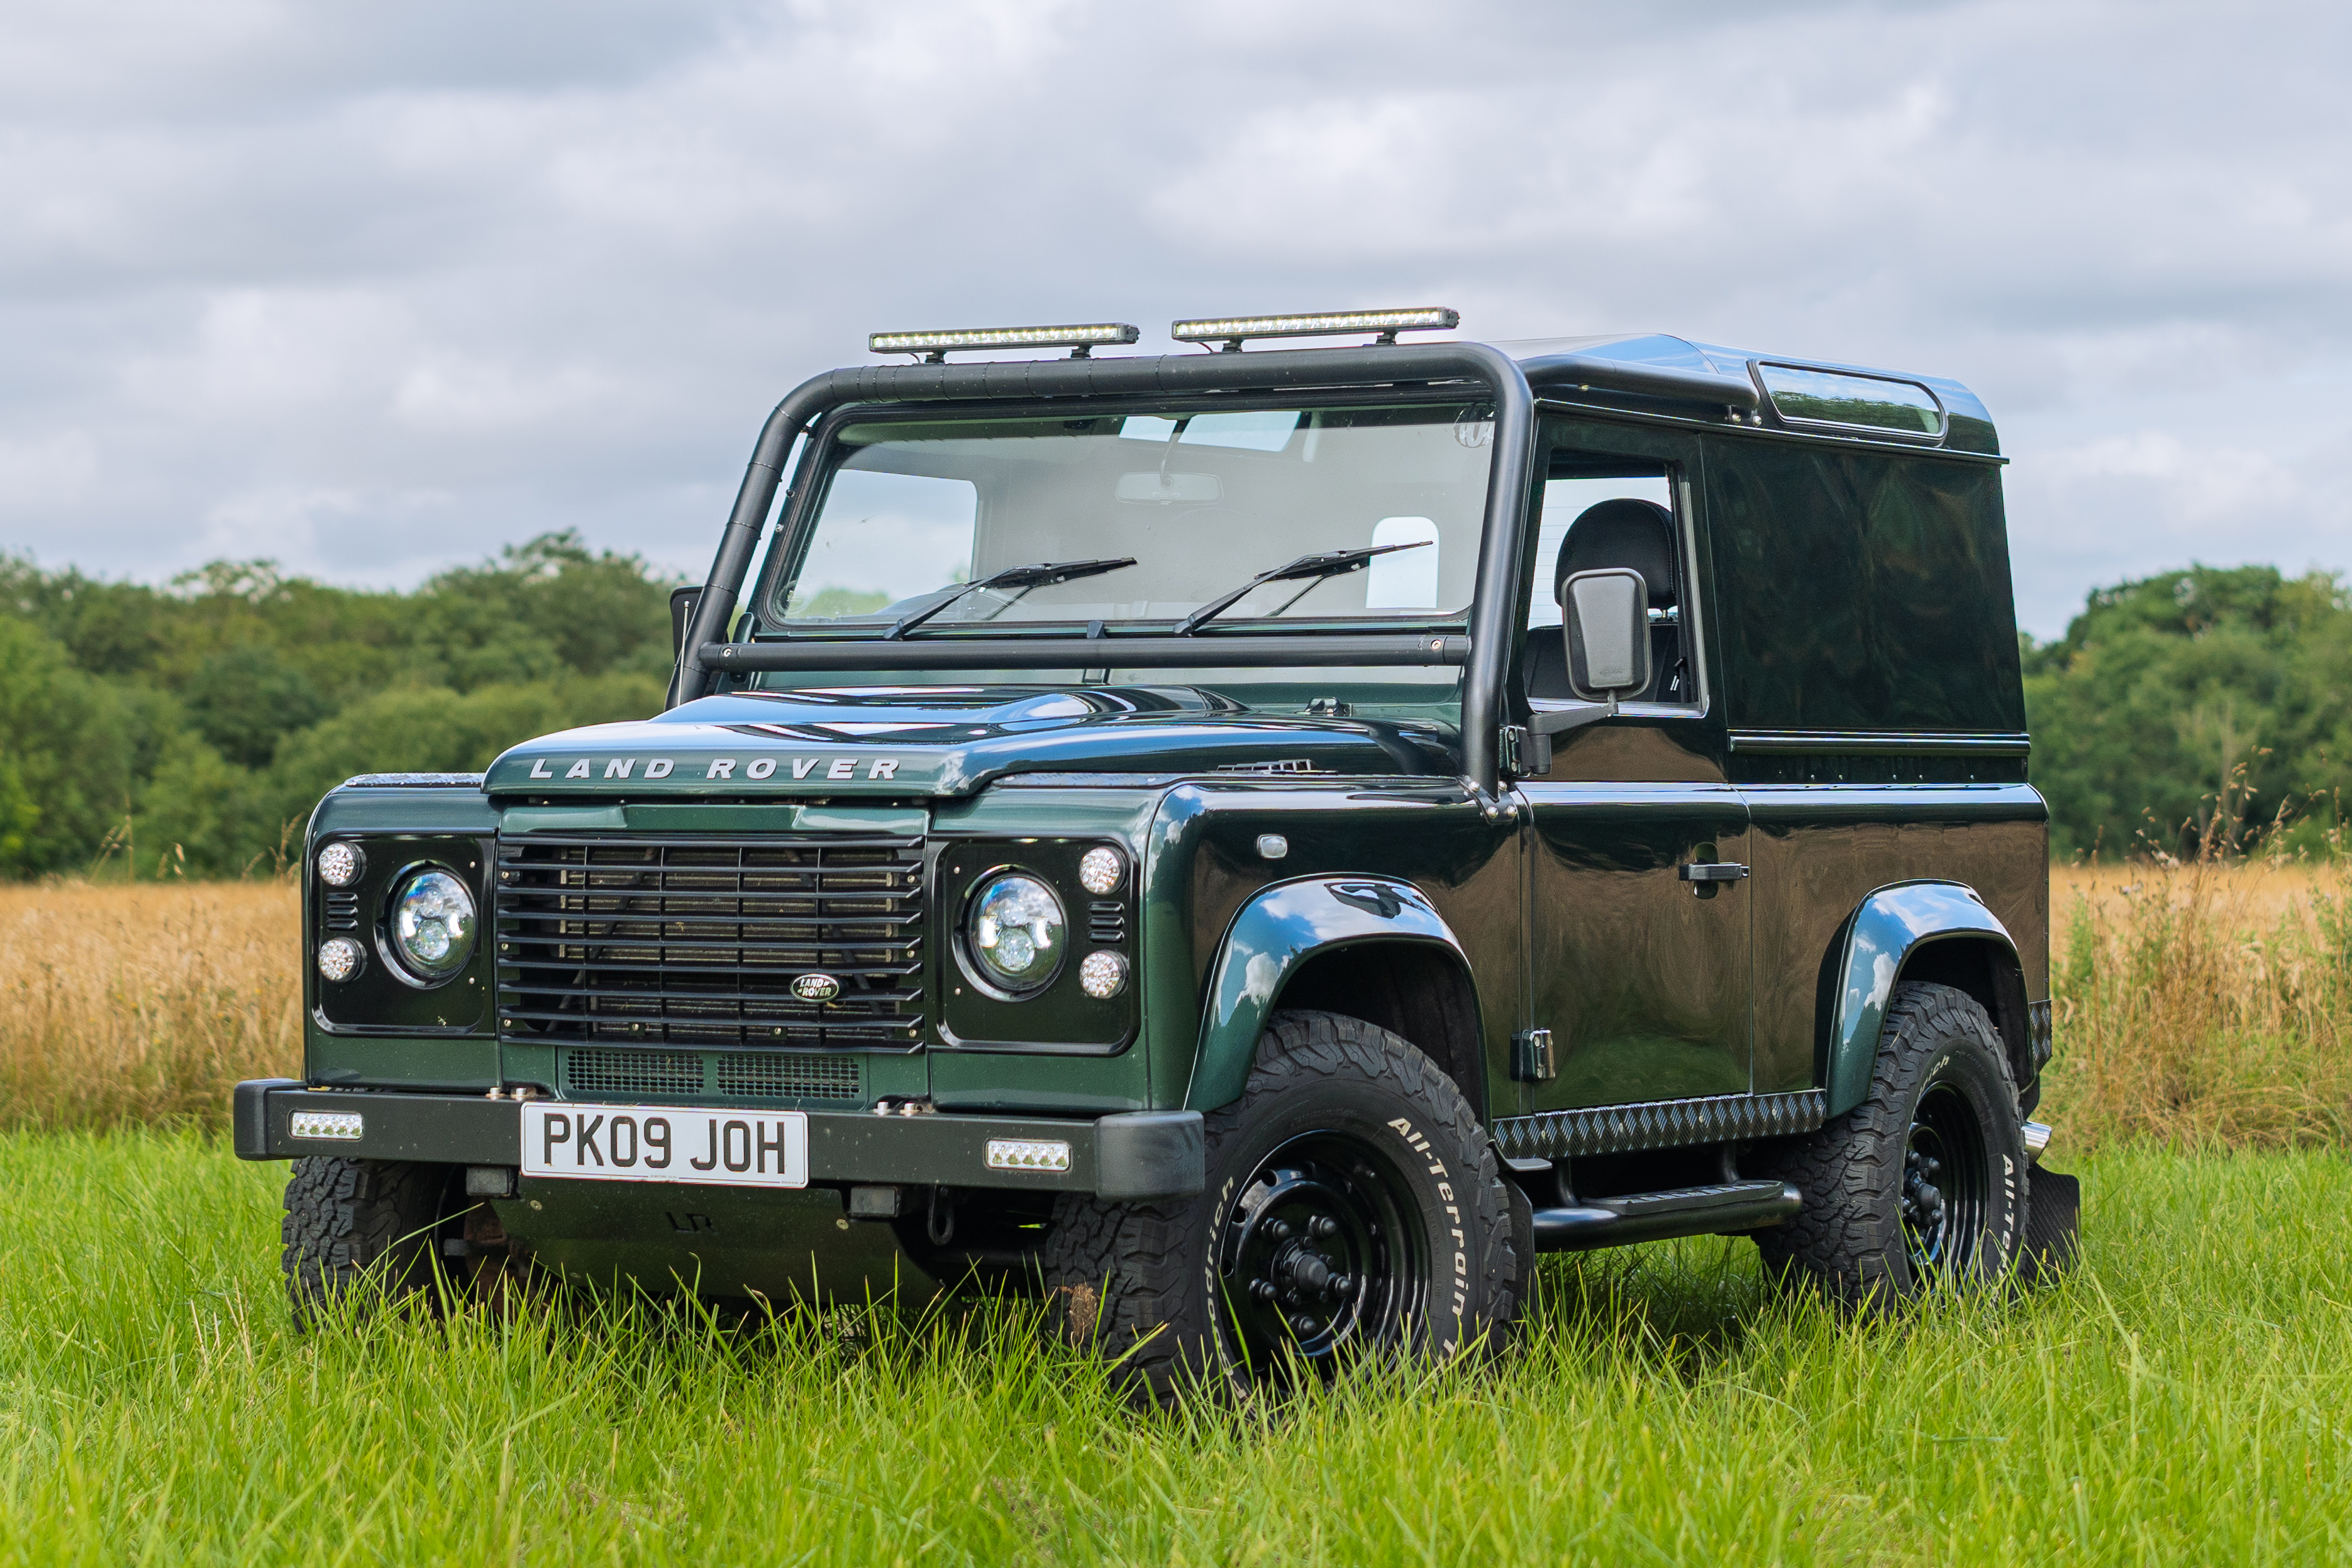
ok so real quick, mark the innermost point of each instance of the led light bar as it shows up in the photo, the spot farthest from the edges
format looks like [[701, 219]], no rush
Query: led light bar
[[1231, 332], [936, 345]]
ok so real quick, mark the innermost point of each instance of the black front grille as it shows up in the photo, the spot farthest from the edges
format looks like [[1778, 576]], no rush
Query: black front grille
[[634, 940], [343, 911], [680, 1074]]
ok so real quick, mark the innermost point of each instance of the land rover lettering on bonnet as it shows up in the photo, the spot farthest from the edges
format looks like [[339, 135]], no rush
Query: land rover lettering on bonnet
[[1256, 844]]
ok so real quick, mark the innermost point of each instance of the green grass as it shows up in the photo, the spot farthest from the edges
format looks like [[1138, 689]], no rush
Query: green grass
[[2184, 1399]]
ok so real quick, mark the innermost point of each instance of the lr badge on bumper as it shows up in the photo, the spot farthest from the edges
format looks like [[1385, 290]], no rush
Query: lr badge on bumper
[[662, 1142]]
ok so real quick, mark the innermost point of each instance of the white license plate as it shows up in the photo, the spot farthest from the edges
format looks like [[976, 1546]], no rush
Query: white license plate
[[662, 1142]]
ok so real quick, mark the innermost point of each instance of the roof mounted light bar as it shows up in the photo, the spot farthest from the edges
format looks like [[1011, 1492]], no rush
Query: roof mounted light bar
[[935, 347], [1230, 331]]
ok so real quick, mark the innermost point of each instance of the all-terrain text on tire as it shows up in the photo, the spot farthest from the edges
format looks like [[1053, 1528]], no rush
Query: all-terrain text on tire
[[1257, 845]]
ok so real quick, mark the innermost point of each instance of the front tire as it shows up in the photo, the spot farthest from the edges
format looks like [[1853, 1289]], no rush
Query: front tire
[[1354, 1208], [1924, 1183], [369, 1226]]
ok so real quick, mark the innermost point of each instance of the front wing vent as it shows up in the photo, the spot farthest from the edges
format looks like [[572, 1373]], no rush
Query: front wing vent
[[634, 940]]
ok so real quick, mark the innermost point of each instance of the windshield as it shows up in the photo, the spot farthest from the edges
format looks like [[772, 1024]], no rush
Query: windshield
[[915, 511]]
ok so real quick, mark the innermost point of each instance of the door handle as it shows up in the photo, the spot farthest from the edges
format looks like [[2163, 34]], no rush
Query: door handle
[[1719, 870]]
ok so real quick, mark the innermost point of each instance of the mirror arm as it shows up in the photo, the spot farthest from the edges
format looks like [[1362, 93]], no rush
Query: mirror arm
[[1556, 721]]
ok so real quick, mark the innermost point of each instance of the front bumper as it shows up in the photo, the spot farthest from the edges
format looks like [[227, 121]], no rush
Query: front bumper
[[1127, 1156]]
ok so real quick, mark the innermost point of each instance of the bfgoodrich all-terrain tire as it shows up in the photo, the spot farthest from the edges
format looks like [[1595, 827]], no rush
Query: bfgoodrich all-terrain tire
[[1354, 1206], [1925, 1181], [368, 1225]]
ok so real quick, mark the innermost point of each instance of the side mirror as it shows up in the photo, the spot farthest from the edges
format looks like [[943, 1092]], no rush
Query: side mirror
[[1608, 634]]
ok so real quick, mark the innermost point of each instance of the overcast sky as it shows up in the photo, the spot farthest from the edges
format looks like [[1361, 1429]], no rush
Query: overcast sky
[[373, 289]]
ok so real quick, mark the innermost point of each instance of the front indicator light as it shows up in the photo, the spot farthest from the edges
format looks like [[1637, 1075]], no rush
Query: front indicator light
[[1016, 933], [339, 959], [433, 925], [1103, 975], [1100, 869], [340, 863]]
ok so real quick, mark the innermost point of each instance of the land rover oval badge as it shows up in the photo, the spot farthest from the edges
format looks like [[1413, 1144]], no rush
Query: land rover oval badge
[[816, 987]]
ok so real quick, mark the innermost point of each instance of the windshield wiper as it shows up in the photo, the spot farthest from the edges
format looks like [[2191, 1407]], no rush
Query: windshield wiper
[[1042, 574], [1317, 567]]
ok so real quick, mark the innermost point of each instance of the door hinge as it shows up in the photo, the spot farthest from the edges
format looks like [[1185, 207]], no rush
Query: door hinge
[[1531, 1057], [1522, 751]]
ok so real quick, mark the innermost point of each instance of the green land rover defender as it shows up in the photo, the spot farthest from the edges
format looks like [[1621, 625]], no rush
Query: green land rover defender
[[1257, 843]]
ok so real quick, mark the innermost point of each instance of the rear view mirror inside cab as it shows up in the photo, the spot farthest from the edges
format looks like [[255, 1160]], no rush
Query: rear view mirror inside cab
[[1191, 489], [1608, 634]]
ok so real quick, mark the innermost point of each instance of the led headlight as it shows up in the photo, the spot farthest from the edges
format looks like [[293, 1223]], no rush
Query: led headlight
[[1015, 931], [1102, 975], [340, 863], [1101, 869], [433, 924], [339, 959]]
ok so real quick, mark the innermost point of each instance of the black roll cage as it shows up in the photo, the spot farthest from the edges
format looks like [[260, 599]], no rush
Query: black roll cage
[[1410, 369]]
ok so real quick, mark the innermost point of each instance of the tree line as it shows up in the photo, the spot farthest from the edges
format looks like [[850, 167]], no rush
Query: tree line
[[188, 730]]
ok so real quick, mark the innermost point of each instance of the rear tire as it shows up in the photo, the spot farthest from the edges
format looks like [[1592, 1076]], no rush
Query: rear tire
[[1923, 1183], [1354, 1208]]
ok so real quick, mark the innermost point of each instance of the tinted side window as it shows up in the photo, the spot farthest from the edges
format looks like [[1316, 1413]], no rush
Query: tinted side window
[[1859, 592]]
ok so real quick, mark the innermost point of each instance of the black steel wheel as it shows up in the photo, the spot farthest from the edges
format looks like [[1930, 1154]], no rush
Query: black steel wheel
[[1323, 1250], [1355, 1209], [1946, 1184], [1922, 1185]]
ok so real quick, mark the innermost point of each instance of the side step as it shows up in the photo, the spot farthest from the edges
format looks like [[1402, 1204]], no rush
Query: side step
[[1651, 1216]]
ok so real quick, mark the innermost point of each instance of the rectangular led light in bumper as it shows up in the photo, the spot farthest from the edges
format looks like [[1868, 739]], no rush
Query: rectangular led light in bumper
[[1028, 1155], [342, 1126], [1233, 331], [937, 345]]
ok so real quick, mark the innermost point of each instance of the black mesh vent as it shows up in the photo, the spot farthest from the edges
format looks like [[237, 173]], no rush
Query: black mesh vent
[[774, 1075], [632, 1073], [624, 939], [343, 911]]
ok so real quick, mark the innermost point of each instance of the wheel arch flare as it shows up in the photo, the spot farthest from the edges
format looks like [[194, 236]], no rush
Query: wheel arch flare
[[1279, 934], [1938, 931]]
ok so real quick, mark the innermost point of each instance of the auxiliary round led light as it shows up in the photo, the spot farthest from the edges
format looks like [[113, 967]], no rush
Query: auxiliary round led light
[[1100, 869], [339, 959], [433, 924], [340, 862], [1103, 975], [1015, 933]]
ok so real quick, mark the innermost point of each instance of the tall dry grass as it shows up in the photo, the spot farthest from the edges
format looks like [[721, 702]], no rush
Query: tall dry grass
[[2203, 1004], [2206, 1004], [143, 1004]]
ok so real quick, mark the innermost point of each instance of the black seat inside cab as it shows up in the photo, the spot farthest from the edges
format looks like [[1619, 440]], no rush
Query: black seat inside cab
[[1623, 532]]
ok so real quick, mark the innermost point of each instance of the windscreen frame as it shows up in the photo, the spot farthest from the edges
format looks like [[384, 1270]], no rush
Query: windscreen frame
[[794, 532]]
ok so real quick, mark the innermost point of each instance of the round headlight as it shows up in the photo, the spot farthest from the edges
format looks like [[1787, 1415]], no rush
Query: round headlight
[[1016, 931], [339, 959], [1101, 975], [1099, 869], [340, 863], [433, 924]]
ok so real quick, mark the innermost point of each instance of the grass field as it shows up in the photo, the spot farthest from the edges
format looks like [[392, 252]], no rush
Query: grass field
[[2184, 1399]]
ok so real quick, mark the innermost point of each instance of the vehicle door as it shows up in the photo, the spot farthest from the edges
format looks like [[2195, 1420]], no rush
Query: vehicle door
[[1636, 847]]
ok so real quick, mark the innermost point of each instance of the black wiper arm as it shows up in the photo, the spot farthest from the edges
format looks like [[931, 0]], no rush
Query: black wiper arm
[[1323, 564], [1040, 574]]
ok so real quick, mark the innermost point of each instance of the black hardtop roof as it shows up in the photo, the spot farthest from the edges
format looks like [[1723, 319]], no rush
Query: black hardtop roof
[[1645, 371]]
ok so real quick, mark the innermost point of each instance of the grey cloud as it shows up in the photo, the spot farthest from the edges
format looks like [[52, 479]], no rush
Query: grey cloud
[[372, 291]]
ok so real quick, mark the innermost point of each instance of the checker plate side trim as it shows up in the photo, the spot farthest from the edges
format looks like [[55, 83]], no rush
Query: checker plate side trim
[[1660, 1124]]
